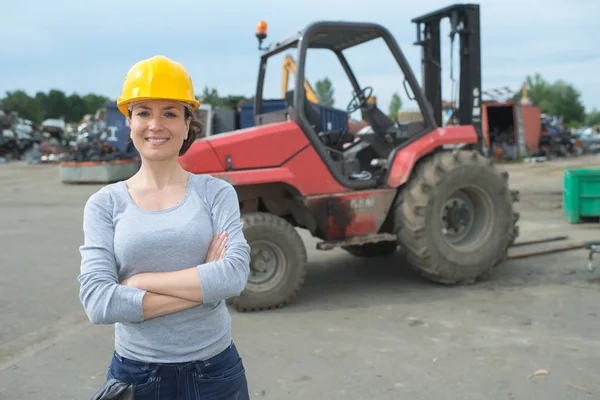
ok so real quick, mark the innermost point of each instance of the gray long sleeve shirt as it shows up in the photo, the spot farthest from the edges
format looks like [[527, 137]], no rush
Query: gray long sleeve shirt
[[121, 240]]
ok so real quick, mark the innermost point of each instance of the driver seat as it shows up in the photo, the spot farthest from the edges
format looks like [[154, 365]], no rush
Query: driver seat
[[378, 136], [331, 138], [311, 114], [381, 121]]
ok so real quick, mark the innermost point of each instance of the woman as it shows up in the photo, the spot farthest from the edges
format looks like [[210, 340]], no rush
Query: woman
[[163, 251]]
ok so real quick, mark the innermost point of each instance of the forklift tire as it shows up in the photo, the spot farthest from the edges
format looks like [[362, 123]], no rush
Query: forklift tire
[[516, 216], [454, 218], [372, 249], [277, 266]]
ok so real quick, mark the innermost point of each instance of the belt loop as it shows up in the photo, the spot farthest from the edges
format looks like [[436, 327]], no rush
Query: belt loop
[[118, 357]]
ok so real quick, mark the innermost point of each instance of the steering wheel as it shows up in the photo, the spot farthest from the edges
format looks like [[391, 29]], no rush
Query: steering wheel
[[359, 99]]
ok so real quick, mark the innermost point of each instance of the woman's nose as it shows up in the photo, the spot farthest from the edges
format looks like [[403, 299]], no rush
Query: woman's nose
[[155, 123]]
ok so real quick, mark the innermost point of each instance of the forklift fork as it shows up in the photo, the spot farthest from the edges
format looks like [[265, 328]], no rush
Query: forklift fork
[[593, 247]]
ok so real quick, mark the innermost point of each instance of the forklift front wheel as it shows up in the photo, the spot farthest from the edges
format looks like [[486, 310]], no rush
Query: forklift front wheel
[[277, 266]]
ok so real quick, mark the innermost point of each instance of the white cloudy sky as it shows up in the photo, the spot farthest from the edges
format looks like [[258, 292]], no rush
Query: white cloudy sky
[[83, 47]]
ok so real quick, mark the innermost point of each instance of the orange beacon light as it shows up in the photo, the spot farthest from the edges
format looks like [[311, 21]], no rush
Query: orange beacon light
[[261, 32]]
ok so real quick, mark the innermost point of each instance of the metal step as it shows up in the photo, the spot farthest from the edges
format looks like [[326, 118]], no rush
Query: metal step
[[357, 241]]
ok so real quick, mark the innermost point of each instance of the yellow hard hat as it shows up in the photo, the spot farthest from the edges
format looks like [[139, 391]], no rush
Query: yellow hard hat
[[157, 78]]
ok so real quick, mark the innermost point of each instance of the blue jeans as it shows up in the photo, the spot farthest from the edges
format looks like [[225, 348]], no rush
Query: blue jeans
[[220, 377]]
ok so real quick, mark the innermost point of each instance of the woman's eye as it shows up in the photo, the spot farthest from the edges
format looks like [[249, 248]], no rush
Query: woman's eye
[[170, 115]]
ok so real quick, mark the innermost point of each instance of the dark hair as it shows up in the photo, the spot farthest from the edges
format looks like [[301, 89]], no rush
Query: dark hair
[[196, 131]]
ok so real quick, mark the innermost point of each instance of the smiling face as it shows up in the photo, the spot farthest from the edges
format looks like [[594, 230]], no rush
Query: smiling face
[[158, 129]]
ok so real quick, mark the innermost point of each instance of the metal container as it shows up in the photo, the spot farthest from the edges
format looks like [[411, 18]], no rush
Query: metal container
[[247, 111], [98, 172], [581, 194], [332, 118]]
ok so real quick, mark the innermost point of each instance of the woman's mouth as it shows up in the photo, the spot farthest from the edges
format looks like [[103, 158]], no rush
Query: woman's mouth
[[156, 141]]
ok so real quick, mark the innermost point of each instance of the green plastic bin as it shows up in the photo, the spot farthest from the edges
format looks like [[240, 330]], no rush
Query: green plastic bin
[[581, 194]]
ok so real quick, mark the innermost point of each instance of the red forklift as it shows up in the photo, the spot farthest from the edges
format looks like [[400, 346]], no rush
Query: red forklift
[[417, 189]]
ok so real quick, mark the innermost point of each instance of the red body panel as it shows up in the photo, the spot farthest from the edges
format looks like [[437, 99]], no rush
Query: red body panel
[[407, 157], [201, 156], [532, 127], [267, 154], [356, 213], [306, 172], [253, 148]]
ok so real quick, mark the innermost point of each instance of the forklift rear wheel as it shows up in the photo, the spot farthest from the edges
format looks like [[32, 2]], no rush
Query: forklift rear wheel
[[372, 249], [454, 218], [277, 266]]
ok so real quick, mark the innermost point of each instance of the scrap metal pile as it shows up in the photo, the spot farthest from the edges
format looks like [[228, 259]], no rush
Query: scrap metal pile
[[55, 141], [17, 136], [558, 141], [94, 150]]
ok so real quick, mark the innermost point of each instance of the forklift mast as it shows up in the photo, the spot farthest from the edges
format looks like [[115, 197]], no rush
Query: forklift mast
[[464, 20]]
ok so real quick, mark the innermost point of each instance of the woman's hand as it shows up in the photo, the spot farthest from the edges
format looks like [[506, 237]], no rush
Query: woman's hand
[[217, 248]]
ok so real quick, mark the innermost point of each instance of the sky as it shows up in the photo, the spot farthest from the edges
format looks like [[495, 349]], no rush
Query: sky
[[83, 47]]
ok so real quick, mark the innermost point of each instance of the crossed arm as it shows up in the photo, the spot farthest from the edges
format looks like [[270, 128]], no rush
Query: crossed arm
[[149, 295], [170, 292]]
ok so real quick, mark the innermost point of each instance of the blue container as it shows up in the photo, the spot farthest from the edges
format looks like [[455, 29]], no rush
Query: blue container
[[247, 111], [332, 118], [118, 130]]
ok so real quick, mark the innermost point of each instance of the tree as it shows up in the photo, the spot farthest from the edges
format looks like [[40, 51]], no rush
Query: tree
[[76, 108], [325, 91], [41, 99], [395, 106], [54, 104], [24, 105], [559, 99], [567, 102], [211, 96], [93, 102], [593, 117]]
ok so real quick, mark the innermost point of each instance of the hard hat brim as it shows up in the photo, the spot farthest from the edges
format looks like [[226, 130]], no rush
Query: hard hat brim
[[122, 104]]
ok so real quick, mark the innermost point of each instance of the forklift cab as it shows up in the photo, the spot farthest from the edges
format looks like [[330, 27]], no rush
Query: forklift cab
[[358, 160], [364, 163]]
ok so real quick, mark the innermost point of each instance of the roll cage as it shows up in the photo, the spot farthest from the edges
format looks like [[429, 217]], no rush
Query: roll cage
[[385, 140]]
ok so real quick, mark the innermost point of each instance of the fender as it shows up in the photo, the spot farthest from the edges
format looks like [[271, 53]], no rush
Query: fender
[[406, 158], [259, 147], [305, 172]]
